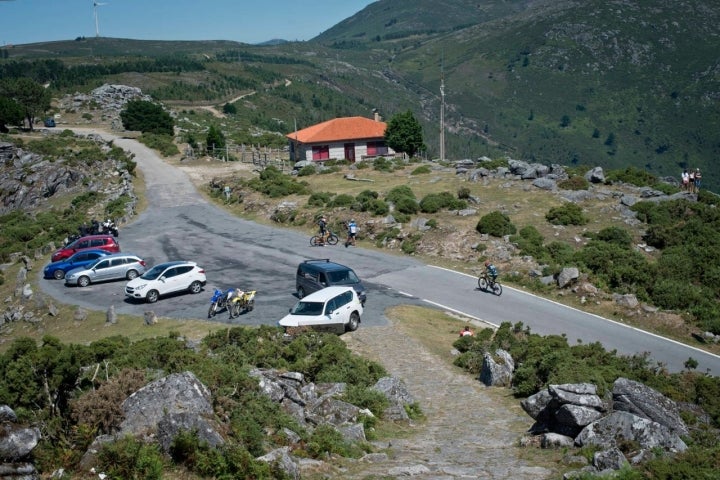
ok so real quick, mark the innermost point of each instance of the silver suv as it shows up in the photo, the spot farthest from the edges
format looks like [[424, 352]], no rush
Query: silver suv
[[110, 267]]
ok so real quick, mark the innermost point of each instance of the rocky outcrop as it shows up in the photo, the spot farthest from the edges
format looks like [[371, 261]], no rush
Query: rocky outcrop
[[637, 414], [109, 99], [497, 370], [16, 445]]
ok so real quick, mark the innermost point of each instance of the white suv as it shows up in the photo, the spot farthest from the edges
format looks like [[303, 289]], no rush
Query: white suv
[[332, 309], [166, 278]]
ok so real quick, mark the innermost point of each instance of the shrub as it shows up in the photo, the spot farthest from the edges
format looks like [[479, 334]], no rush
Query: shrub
[[463, 193], [568, 214], [162, 143], [407, 205], [130, 458], [342, 200], [616, 235], [401, 191], [273, 183], [575, 182], [146, 117], [409, 245], [422, 169], [632, 175], [306, 170], [434, 202], [530, 242], [377, 207], [319, 199], [496, 224], [382, 164]]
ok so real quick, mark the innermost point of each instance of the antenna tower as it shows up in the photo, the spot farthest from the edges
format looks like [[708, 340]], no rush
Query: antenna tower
[[442, 113]]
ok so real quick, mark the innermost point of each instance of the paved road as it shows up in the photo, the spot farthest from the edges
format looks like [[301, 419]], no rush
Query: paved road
[[180, 224]]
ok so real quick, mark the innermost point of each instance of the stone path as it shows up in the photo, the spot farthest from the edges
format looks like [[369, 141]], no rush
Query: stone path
[[470, 431]]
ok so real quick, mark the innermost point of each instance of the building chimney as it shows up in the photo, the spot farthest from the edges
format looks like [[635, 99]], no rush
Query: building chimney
[[376, 114]]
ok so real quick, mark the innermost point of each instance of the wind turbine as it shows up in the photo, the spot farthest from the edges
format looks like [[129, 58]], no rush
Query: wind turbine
[[97, 27]]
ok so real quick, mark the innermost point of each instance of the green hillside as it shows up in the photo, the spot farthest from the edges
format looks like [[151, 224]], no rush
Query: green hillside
[[590, 83]]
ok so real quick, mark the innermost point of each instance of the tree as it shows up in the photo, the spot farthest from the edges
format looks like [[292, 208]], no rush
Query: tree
[[147, 117], [11, 113], [229, 109], [404, 134], [32, 97], [215, 138]]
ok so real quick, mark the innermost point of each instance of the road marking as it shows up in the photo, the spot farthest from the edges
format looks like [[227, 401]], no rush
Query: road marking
[[699, 350]]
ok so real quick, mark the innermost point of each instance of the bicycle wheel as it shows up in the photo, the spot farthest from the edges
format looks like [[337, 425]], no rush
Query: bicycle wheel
[[315, 241], [482, 283], [332, 239], [497, 289]]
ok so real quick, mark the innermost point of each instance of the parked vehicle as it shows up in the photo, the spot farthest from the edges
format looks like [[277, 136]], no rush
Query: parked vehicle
[[245, 302], [316, 274], [110, 267], [332, 309], [97, 242], [220, 300], [166, 278], [57, 270]]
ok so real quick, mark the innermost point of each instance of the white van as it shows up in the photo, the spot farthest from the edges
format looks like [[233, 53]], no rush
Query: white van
[[332, 309]]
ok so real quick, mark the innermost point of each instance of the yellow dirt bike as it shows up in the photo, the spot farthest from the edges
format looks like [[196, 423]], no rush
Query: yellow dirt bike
[[243, 303]]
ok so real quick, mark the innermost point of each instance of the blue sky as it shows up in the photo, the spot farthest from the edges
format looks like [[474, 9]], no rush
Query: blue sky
[[248, 21]]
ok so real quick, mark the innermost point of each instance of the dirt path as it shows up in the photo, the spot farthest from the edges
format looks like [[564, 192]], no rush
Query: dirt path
[[470, 431]]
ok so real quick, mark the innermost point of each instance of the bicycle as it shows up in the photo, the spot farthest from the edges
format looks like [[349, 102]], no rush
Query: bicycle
[[487, 284], [330, 239]]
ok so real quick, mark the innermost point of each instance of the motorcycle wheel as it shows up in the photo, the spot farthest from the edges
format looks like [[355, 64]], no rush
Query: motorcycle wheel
[[332, 239], [211, 310], [251, 305], [482, 284]]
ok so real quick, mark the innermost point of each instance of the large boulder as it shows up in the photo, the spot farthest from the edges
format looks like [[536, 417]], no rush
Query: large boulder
[[497, 370], [620, 427], [639, 399], [397, 394]]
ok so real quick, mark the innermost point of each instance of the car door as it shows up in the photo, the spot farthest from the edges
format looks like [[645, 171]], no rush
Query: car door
[[334, 314], [117, 268], [101, 271]]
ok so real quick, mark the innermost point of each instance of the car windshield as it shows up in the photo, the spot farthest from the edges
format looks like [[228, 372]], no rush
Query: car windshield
[[154, 272], [343, 277], [308, 308]]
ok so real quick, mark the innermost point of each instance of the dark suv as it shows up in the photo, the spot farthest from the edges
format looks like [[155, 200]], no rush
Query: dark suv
[[314, 275]]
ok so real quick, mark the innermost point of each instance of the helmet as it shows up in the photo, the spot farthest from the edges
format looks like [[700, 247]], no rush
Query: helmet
[[352, 220], [487, 263]]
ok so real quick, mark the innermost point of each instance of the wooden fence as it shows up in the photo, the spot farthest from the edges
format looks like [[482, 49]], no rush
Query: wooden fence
[[262, 157]]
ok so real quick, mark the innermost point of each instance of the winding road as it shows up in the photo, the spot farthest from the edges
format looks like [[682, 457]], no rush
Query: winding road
[[180, 224]]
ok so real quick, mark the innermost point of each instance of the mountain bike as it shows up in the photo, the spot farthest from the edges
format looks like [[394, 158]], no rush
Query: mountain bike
[[487, 284], [330, 239]]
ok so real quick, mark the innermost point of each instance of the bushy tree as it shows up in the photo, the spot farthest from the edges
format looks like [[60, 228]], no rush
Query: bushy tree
[[568, 214], [32, 97], [215, 138], [404, 134], [496, 224], [11, 113], [147, 117]]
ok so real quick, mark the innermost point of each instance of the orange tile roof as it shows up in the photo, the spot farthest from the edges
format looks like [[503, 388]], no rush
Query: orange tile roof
[[340, 129]]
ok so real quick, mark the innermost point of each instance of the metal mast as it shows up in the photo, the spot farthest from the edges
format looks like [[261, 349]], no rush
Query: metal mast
[[442, 114]]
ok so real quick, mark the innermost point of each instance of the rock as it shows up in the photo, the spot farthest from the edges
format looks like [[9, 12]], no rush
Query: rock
[[80, 314], [397, 394], [27, 291], [582, 394], [595, 175], [545, 184], [111, 316], [16, 442], [555, 440], [628, 300], [171, 424], [639, 399], [575, 416], [611, 459], [620, 427], [150, 318], [497, 373], [567, 275], [536, 404], [282, 458]]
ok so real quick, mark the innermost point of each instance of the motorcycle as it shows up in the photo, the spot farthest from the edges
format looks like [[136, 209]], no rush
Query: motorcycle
[[109, 227], [220, 300], [242, 303]]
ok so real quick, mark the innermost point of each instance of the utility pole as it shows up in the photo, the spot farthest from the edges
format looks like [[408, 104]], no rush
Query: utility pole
[[442, 113]]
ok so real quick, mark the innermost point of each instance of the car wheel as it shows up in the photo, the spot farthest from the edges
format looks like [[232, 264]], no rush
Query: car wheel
[[354, 322], [152, 296], [83, 281], [300, 292], [195, 287], [58, 274], [131, 274]]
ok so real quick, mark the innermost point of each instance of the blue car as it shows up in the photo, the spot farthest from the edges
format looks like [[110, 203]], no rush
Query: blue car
[[57, 270]]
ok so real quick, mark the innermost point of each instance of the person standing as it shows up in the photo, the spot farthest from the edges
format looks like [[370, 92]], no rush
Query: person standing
[[351, 233], [698, 179], [685, 180], [691, 180]]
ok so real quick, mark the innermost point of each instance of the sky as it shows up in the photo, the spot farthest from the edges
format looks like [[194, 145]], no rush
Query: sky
[[247, 21]]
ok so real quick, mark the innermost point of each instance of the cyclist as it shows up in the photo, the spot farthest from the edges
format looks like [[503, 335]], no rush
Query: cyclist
[[352, 232], [491, 270], [322, 225]]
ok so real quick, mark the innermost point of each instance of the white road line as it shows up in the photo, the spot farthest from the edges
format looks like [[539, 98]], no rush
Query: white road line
[[445, 307], [699, 350]]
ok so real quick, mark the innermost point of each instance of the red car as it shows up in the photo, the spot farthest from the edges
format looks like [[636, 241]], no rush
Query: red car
[[100, 242]]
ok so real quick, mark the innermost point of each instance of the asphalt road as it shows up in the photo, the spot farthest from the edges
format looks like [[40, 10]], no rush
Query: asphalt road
[[179, 224]]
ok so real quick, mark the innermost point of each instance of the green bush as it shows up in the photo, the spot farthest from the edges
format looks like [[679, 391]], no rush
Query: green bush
[[616, 235], [575, 182], [422, 169], [632, 175], [275, 184], [399, 192], [162, 143], [409, 244], [530, 242], [377, 207], [147, 117], [435, 202], [306, 170], [568, 214], [463, 193], [131, 459], [407, 205], [319, 199], [342, 200], [496, 224], [382, 164]]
